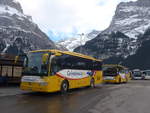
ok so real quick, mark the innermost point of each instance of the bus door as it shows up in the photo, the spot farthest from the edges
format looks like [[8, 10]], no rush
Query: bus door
[[57, 70]]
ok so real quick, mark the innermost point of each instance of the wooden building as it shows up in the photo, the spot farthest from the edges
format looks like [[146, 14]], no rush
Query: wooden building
[[10, 71]]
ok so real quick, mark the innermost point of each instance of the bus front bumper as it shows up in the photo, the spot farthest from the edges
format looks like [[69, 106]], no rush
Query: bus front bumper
[[110, 80], [36, 87]]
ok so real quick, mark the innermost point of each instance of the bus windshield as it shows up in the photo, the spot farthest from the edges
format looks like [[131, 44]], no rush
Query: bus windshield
[[137, 73], [34, 64], [110, 71], [147, 73]]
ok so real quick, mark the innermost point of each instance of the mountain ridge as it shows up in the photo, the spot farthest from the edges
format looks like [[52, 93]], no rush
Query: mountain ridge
[[18, 33], [80, 39], [132, 19]]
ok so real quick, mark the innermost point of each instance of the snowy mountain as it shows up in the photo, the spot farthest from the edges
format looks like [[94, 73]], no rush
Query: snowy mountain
[[131, 20], [80, 39], [108, 45], [140, 60], [18, 33]]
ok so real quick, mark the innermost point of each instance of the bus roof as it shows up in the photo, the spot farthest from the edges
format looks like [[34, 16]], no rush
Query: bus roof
[[115, 65], [69, 53]]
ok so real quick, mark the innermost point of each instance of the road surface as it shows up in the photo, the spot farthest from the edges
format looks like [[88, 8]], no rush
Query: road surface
[[133, 97]]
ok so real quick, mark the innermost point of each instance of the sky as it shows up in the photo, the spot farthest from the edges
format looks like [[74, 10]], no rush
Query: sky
[[61, 19]]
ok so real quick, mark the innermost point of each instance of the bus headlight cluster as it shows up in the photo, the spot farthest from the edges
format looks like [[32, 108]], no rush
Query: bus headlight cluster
[[109, 78], [43, 84]]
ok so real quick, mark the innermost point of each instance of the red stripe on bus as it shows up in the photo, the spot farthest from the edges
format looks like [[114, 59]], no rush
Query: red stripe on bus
[[58, 74]]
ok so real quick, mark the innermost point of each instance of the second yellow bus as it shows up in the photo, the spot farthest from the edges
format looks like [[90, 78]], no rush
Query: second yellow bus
[[115, 74]]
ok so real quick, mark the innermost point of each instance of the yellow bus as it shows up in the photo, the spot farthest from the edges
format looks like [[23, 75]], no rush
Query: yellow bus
[[115, 74], [54, 70]]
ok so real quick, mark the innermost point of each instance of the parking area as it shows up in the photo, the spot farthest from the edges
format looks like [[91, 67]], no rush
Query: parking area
[[8, 90], [132, 97]]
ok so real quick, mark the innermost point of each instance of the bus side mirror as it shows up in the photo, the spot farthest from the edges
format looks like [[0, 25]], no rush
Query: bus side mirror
[[45, 58]]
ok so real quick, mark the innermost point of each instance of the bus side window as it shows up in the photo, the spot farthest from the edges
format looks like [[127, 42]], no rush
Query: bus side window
[[97, 65], [74, 62]]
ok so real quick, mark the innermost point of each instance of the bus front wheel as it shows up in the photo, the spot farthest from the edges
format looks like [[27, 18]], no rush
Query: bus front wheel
[[120, 81], [92, 83], [64, 86]]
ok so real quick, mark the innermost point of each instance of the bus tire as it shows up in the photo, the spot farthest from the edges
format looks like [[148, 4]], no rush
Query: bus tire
[[64, 86], [119, 81], [92, 83]]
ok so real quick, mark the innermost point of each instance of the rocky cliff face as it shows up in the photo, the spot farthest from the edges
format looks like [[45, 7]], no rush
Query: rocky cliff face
[[108, 45], [12, 3], [140, 60], [79, 40], [18, 33], [131, 19]]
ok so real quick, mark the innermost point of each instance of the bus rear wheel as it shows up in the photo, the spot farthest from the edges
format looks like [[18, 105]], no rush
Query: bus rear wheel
[[92, 83], [64, 86]]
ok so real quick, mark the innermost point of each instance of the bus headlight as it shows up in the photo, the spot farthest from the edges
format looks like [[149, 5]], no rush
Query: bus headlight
[[43, 84], [109, 78]]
